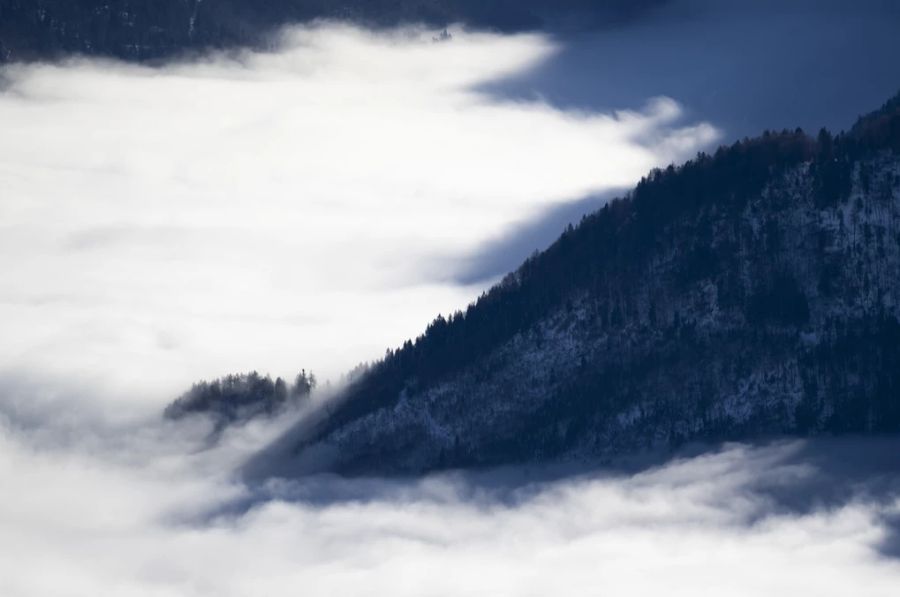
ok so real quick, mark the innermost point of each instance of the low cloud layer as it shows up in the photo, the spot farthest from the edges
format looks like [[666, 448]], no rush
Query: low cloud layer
[[304, 208], [129, 513]]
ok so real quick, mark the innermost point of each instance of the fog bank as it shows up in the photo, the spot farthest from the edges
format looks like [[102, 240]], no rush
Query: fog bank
[[135, 514], [302, 208]]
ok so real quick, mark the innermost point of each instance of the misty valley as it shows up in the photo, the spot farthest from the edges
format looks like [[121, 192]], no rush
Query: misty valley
[[443, 297]]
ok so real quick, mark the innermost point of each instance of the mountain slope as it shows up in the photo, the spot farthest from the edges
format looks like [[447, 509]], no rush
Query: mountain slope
[[153, 29], [756, 291]]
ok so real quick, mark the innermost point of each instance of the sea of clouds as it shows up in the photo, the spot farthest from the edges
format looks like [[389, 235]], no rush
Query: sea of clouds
[[142, 512], [308, 207]]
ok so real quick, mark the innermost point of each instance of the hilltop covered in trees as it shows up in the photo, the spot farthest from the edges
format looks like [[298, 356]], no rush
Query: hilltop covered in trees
[[618, 237], [239, 398]]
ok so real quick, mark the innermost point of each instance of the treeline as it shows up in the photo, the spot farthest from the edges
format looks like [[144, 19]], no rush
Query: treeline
[[610, 247], [237, 398]]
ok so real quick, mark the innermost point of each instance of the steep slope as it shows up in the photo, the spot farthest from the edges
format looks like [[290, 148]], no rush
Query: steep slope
[[151, 29], [752, 292]]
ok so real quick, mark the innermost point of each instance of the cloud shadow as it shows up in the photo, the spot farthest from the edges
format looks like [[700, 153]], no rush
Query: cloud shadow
[[507, 251], [745, 67], [781, 478]]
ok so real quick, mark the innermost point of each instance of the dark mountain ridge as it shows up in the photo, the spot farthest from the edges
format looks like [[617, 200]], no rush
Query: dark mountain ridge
[[146, 30], [754, 291]]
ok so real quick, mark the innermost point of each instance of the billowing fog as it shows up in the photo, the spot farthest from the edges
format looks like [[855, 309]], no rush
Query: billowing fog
[[311, 206], [301, 209], [126, 512]]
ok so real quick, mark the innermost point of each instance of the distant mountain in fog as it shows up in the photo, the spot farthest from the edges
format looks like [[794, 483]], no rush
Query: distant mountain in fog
[[747, 293], [145, 30]]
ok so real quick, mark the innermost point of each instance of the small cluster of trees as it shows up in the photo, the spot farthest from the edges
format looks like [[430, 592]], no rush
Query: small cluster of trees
[[242, 396]]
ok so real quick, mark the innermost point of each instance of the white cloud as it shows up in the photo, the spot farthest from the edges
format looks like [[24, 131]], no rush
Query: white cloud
[[277, 211], [128, 514]]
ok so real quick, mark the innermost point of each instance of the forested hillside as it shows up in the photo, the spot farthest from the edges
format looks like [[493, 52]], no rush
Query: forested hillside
[[749, 292]]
